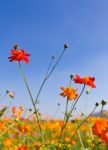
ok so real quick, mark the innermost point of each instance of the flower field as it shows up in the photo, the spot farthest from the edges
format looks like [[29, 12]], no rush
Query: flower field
[[18, 133], [34, 131]]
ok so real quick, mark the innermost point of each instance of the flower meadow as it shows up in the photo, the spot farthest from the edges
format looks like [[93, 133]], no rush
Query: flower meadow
[[35, 132]]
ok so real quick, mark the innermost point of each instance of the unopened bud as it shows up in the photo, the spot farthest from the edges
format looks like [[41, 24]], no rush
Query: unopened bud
[[103, 102], [71, 76], [10, 94], [16, 46], [66, 45], [53, 57], [30, 109], [87, 91], [97, 104]]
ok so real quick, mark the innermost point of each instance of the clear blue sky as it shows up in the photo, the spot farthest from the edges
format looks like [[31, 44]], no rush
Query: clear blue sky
[[41, 28]]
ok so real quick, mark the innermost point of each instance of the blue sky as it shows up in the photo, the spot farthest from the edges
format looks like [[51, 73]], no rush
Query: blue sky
[[41, 28]]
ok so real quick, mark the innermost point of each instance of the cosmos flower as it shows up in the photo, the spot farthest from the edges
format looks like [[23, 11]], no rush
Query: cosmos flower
[[7, 142], [69, 92], [85, 80], [100, 128], [19, 55], [22, 148]]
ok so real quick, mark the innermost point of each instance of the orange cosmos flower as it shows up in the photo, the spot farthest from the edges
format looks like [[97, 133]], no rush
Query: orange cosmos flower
[[2, 126], [23, 129], [22, 148], [85, 80], [100, 128], [18, 55], [69, 92], [7, 142]]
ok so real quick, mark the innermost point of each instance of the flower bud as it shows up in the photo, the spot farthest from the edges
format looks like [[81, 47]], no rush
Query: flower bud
[[103, 102], [71, 76], [66, 45], [87, 91], [53, 57], [97, 104], [16, 46]]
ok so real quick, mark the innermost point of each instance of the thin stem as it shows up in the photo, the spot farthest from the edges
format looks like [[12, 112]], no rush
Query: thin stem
[[63, 126], [91, 133], [56, 111], [80, 139], [49, 74], [67, 118], [83, 122], [85, 105], [73, 106], [25, 81], [101, 111], [31, 98], [56, 63], [65, 115], [49, 66], [40, 90]]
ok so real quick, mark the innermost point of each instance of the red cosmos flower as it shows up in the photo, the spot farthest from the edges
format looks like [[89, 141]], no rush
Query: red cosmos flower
[[22, 148], [69, 92], [100, 128], [19, 55], [85, 80]]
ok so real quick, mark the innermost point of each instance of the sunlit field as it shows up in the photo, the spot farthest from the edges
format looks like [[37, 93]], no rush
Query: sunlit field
[[18, 133], [28, 129]]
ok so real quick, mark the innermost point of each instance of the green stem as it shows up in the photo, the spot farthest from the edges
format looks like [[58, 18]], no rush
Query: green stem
[[67, 101], [49, 66], [56, 63], [25, 81], [49, 74], [67, 118], [101, 111], [65, 115], [73, 106], [91, 133], [31, 98], [80, 139], [83, 122], [55, 112]]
